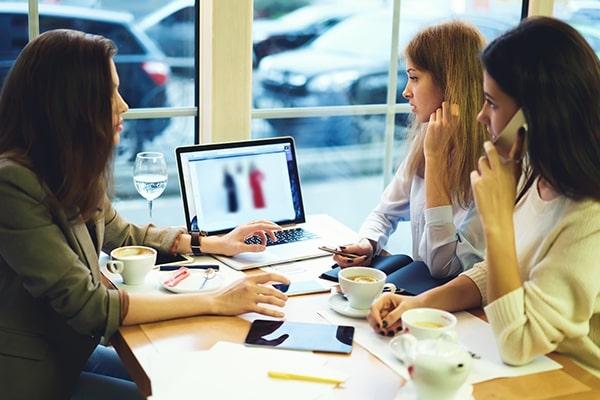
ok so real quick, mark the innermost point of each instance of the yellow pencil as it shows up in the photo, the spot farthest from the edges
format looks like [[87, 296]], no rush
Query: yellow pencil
[[307, 378]]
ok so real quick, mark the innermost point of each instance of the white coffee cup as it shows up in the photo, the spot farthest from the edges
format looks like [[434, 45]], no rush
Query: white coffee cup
[[438, 367], [132, 262], [361, 285], [429, 323]]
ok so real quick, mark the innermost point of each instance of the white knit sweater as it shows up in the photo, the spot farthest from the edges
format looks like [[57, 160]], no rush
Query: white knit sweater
[[558, 305]]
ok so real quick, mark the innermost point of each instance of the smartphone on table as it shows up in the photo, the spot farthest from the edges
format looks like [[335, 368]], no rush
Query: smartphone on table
[[167, 259], [301, 287]]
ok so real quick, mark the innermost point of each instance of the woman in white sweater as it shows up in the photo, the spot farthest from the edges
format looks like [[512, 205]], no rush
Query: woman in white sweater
[[539, 283], [431, 187]]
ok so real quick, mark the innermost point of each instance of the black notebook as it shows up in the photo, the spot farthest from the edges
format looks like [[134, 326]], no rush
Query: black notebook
[[411, 276]]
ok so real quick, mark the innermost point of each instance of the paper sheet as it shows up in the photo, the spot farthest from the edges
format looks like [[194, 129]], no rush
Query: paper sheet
[[478, 337], [475, 334], [235, 371], [305, 270]]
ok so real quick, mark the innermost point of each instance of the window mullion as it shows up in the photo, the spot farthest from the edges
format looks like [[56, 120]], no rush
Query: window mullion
[[391, 96], [34, 19]]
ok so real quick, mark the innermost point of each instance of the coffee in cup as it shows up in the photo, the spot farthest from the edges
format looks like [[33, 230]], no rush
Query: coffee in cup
[[361, 285], [429, 323], [132, 262], [363, 278]]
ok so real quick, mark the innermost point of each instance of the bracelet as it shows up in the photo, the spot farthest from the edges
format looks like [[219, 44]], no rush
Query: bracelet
[[196, 241]]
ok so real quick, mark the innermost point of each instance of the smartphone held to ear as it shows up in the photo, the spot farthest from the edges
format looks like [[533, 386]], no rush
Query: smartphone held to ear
[[508, 136]]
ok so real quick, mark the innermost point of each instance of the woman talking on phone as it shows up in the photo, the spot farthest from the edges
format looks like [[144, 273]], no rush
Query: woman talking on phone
[[431, 187], [61, 115], [538, 284]]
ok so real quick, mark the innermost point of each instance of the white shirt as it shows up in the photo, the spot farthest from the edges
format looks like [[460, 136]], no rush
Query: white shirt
[[449, 239]]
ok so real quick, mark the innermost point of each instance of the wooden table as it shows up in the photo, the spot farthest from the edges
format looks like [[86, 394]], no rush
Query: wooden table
[[136, 345]]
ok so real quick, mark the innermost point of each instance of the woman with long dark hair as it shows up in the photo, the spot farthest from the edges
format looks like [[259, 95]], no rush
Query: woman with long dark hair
[[61, 116], [538, 284]]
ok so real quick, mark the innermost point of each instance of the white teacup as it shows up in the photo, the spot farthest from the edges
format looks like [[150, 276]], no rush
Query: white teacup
[[132, 262], [438, 367], [429, 323], [361, 285]]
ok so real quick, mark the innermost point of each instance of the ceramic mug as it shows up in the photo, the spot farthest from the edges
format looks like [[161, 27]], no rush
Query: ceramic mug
[[361, 285], [437, 367], [429, 323], [132, 262]]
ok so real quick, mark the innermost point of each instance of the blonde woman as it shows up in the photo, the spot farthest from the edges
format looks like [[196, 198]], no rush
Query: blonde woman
[[431, 187]]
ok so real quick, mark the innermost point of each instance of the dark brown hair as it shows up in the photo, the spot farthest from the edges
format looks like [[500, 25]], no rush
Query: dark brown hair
[[450, 53], [553, 74], [56, 113]]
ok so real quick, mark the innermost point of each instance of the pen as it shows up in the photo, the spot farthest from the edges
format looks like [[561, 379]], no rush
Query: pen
[[188, 266], [307, 378]]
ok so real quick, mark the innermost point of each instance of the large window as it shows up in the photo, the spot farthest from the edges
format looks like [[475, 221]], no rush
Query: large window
[[582, 15], [323, 75], [156, 44], [321, 72]]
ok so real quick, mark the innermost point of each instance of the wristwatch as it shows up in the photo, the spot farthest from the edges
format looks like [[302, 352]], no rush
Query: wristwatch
[[196, 241]]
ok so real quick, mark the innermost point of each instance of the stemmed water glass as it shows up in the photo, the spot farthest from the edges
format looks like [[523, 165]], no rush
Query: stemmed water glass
[[150, 176]]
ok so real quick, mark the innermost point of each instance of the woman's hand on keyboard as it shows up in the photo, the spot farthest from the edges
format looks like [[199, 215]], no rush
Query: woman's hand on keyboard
[[363, 249], [233, 242]]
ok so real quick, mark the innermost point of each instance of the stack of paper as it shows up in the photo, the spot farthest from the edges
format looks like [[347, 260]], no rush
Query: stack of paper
[[234, 371]]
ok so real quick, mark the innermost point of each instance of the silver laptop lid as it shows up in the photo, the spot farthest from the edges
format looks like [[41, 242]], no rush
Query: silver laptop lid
[[224, 185]]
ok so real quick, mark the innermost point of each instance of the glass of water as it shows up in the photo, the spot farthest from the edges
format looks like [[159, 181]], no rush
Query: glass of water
[[150, 176]]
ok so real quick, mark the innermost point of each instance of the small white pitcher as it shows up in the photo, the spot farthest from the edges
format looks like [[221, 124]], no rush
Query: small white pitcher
[[438, 367]]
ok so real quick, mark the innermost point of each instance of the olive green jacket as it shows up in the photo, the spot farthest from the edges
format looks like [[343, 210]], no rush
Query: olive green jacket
[[53, 308]]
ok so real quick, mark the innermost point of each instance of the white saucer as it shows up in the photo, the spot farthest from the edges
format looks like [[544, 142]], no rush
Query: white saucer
[[192, 283], [340, 304], [409, 392]]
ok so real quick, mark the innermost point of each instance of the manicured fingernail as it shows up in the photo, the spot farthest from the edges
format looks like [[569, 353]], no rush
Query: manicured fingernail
[[384, 323], [382, 333], [399, 329], [390, 333]]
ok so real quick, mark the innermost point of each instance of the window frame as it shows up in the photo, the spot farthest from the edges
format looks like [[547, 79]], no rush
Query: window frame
[[224, 32]]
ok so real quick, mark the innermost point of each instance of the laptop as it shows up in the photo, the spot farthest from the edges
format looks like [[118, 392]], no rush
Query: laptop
[[224, 185]]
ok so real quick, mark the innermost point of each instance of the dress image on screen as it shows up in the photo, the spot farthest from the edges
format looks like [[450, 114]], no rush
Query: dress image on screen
[[301, 336]]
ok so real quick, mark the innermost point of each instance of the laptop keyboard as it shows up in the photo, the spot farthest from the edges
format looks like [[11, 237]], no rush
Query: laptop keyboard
[[285, 236]]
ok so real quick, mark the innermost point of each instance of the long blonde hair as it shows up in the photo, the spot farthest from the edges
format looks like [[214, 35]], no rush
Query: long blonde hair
[[450, 52]]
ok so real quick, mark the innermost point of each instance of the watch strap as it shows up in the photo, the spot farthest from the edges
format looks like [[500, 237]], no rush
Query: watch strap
[[196, 241]]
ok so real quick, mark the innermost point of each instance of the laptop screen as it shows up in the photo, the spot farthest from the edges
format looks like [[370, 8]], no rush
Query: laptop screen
[[227, 184]]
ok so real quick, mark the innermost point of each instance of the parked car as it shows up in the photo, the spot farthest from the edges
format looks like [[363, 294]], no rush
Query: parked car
[[591, 33], [584, 12], [141, 66], [347, 65], [172, 28], [295, 28]]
